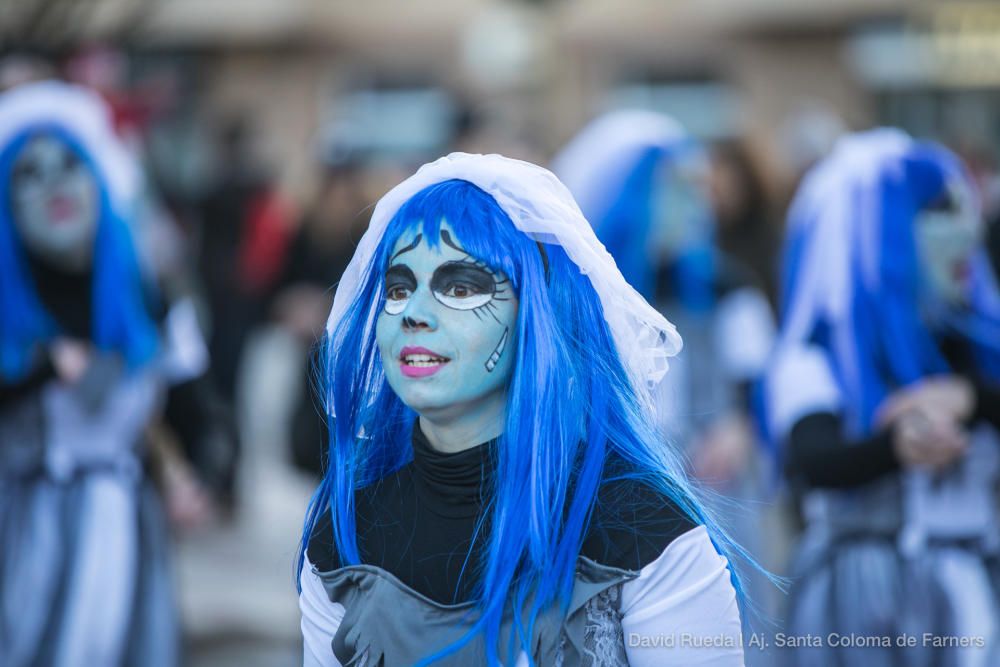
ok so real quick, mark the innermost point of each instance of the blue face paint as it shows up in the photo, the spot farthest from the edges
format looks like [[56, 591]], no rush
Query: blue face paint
[[445, 331]]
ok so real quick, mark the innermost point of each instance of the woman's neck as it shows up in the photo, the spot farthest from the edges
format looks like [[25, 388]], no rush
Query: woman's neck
[[455, 435]]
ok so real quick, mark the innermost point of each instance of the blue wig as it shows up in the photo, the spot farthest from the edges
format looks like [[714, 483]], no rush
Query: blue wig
[[569, 405], [628, 227], [884, 339], [121, 319]]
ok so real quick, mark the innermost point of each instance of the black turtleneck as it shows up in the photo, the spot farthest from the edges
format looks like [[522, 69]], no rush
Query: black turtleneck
[[66, 295], [418, 523]]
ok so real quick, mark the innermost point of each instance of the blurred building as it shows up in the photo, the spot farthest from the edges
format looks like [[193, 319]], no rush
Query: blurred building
[[389, 74]]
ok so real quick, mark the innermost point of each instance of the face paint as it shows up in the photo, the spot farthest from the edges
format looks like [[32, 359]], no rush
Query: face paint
[[445, 329], [54, 201], [680, 208], [945, 241]]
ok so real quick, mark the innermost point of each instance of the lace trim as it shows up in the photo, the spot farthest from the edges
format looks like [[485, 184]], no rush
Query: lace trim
[[603, 639]]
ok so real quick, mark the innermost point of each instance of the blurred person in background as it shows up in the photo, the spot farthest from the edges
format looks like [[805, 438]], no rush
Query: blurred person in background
[[319, 252], [243, 231], [740, 210], [535, 400], [644, 183], [884, 392], [244, 237], [89, 358]]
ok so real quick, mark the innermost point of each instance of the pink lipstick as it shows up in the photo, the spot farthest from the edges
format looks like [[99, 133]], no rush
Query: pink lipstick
[[419, 362]]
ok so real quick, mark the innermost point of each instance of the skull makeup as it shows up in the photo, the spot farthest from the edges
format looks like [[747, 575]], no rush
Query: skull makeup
[[946, 238], [445, 332], [54, 201]]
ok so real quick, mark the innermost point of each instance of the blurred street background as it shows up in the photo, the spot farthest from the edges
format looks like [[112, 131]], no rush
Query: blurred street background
[[268, 128]]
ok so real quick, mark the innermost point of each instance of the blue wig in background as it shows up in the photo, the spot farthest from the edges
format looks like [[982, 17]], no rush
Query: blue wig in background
[[852, 280], [629, 228], [569, 404], [121, 319]]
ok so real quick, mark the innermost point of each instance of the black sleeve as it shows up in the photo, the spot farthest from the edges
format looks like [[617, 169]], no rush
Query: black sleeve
[[819, 455], [321, 551], [310, 434], [206, 431], [42, 373], [632, 522], [987, 403]]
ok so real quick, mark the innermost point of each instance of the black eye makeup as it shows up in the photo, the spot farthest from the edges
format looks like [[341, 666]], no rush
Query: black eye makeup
[[399, 286], [464, 284], [25, 171], [469, 284]]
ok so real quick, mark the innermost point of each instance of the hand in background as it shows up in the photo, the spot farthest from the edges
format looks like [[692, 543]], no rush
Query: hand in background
[[927, 421], [70, 358], [944, 395], [724, 450]]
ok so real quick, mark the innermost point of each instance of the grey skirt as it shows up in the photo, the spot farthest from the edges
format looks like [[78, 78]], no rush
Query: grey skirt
[[857, 600], [84, 579]]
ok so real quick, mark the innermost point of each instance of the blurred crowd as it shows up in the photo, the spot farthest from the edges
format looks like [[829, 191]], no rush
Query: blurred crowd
[[813, 323]]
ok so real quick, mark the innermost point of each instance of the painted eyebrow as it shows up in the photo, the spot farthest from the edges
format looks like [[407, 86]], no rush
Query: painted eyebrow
[[416, 242], [463, 271], [446, 237]]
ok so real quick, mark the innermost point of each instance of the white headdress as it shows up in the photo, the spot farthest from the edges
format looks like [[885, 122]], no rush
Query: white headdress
[[540, 206], [83, 114], [595, 164]]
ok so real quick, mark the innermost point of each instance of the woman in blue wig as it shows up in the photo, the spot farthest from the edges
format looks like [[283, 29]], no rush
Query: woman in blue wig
[[497, 491], [85, 362], [885, 394]]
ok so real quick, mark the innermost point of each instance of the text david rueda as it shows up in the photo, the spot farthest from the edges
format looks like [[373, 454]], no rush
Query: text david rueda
[[781, 640]]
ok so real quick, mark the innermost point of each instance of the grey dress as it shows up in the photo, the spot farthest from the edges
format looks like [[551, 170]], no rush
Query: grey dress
[[84, 572], [645, 571]]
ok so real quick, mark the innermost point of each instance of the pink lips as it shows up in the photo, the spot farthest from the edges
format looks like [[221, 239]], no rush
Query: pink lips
[[419, 371], [61, 208]]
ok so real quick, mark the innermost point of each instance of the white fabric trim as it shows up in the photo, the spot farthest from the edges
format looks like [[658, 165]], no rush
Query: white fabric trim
[[101, 588], [682, 608], [185, 352], [799, 383], [320, 620], [596, 162], [540, 206], [745, 333]]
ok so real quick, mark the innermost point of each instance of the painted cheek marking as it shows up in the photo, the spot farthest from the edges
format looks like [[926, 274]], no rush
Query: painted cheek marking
[[491, 363]]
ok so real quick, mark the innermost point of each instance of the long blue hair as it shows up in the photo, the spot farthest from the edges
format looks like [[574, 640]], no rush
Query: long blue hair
[[627, 227], [886, 340], [121, 321], [569, 405]]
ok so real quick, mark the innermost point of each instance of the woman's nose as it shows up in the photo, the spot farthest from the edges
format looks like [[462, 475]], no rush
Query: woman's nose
[[419, 312]]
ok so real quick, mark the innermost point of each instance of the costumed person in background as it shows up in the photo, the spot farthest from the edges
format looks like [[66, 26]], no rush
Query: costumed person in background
[[741, 213], [884, 391], [497, 490], [643, 182], [319, 252], [86, 359]]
